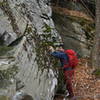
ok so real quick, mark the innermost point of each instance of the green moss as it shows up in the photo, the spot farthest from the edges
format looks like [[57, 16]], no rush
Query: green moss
[[47, 28], [8, 73], [42, 56], [4, 50], [4, 98], [97, 72], [2, 3], [29, 29], [42, 41], [1, 42]]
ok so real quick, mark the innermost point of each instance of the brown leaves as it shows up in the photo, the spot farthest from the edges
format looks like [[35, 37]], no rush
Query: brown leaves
[[86, 86]]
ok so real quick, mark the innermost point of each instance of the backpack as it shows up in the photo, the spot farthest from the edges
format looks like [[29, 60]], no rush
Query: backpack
[[73, 59]]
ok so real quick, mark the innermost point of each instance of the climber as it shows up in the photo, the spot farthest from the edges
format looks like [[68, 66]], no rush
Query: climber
[[68, 71]]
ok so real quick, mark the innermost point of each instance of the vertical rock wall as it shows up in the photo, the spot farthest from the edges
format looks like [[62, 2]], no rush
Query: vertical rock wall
[[26, 29]]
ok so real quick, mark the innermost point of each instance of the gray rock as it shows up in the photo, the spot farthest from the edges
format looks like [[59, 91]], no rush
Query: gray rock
[[23, 23], [8, 38], [21, 96]]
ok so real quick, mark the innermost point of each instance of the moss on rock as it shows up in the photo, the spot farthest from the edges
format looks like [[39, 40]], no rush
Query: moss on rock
[[4, 98], [8, 72], [97, 73], [4, 50]]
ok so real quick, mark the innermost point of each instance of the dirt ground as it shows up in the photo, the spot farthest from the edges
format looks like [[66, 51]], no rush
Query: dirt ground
[[85, 85]]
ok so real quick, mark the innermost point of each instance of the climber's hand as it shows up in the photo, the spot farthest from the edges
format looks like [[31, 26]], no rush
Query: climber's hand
[[51, 49]]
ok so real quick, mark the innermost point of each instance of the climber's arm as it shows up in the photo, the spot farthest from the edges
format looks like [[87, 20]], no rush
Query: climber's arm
[[57, 54]]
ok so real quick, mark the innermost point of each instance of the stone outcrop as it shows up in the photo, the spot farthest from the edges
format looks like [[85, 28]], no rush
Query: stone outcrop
[[75, 26], [26, 30]]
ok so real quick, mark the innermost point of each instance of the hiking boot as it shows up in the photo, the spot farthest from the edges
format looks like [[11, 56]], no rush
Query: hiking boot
[[73, 98], [69, 96]]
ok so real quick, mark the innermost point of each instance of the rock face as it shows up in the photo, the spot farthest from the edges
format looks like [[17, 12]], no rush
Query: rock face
[[26, 29], [75, 26]]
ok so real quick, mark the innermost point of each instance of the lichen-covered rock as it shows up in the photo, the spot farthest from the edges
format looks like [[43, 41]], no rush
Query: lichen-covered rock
[[4, 97], [29, 30], [26, 31], [77, 33]]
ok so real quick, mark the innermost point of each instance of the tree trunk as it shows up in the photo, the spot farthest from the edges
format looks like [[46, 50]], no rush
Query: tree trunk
[[57, 3], [96, 47]]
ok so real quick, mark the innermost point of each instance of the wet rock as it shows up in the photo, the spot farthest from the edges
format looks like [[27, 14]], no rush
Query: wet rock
[[8, 38]]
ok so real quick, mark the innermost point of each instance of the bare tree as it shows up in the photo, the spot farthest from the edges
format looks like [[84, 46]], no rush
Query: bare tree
[[57, 3], [96, 47]]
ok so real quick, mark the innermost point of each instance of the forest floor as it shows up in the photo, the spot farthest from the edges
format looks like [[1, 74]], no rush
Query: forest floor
[[86, 85]]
